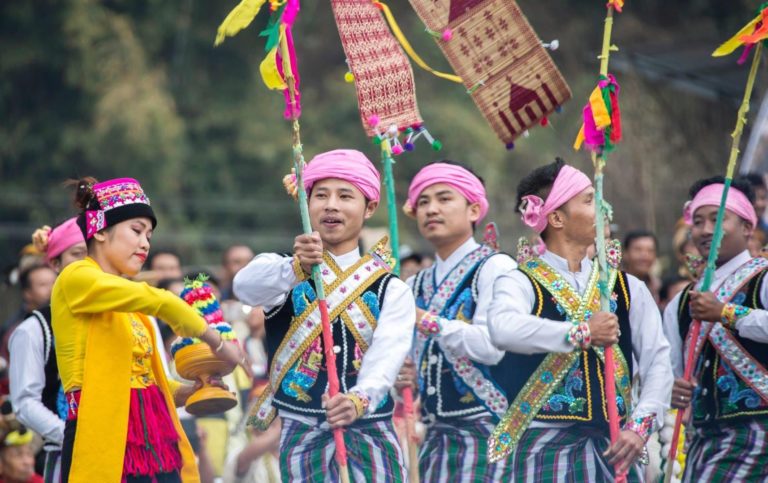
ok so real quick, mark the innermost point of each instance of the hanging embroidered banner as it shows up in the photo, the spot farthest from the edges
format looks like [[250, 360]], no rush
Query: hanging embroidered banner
[[493, 48], [382, 73]]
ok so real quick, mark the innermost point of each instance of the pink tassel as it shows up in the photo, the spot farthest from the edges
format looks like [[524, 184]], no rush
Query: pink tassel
[[157, 450]]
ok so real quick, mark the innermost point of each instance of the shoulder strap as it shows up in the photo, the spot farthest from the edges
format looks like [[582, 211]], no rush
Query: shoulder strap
[[46, 333]]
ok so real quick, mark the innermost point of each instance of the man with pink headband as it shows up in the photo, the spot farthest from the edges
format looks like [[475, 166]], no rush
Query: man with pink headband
[[547, 315], [461, 396], [372, 315], [35, 387], [729, 398]]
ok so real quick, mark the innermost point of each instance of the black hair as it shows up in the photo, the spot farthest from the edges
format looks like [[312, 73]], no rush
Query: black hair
[[162, 251], [667, 283], [755, 180], [740, 183], [25, 276], [413, 257], [539, 181], [637, 234]]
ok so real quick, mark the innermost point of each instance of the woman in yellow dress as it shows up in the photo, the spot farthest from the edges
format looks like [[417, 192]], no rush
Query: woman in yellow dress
[[121, 423]]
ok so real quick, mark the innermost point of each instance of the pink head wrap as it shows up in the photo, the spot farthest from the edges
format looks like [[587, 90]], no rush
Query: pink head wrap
[[114, 201], [457, 177], [61, 238], [569, 183], [737, 202], [348, 165]]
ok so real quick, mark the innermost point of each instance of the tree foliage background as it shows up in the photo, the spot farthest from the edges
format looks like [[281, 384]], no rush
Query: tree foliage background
[[135, 88]]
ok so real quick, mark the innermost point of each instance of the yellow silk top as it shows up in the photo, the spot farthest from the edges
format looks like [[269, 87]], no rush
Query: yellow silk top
[[95, 344]]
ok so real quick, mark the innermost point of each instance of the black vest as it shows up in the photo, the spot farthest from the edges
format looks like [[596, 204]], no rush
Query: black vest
[[302, 388], [581, 396], [721, 395], [444, 395]]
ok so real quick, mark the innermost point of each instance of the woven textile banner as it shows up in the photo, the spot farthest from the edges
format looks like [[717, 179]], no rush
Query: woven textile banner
[[383, 74], [493, 48]]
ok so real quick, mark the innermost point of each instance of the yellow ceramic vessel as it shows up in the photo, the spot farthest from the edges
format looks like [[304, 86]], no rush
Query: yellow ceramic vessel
[[197, 362]]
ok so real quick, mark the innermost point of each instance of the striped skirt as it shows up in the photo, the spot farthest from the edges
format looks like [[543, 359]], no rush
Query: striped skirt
[[373, 453], [564, 455], [729, 453], [459, 453]]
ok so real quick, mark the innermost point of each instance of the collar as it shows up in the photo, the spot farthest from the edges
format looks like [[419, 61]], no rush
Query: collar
[[733, 264], [457, 256], [346, 259], [561, 264]]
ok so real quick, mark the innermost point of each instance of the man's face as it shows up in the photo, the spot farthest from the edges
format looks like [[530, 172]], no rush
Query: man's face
[[579, 217], [167, 265], [736, 233], [444, 215], [761, 201], [338, 210], [640, 256], [40, 285], [237, 258]]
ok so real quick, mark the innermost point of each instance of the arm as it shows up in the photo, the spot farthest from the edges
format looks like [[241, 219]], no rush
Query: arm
[[88, 290], [754, 324], [391, 343], [27, 380], [651, 350], [266, 281], [672, 334], [511, 325], [473, 340]]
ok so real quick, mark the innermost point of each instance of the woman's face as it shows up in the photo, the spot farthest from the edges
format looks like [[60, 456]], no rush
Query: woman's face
[[123, 248], [74, 253]]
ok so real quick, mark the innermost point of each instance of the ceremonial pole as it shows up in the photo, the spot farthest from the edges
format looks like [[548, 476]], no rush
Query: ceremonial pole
[[717, 238], [603, 101]]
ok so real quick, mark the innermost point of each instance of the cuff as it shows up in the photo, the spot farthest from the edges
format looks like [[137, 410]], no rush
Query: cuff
[[644, 426], [732, 313], [429, 325], [579, 336], [298, 270], [360, 400]]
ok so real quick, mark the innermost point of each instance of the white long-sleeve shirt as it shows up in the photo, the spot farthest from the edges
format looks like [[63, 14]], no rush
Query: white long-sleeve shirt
[[268, 280], [514, 328], [752, 326], [472, 340], [27, 381]]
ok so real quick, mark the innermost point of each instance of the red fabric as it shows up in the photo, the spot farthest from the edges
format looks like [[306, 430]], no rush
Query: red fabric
[[152, 442]]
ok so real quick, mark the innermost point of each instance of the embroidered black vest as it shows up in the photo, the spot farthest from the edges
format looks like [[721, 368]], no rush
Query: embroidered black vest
[[444, 395], [581, 396], [302, 388], [721, 394]]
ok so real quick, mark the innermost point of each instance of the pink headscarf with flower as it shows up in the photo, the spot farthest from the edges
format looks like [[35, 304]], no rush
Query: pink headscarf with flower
[[568, 183]]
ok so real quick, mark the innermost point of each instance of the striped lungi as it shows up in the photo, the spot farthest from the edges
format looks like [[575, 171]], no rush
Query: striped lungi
[[373, 453], [458, 452], [564, 455], [728, 453]]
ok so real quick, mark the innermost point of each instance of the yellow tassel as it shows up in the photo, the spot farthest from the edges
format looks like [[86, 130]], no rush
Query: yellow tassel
[[735, 42], [239, 18], [579, 139], [269, 73], [599, 110], [409, 50]]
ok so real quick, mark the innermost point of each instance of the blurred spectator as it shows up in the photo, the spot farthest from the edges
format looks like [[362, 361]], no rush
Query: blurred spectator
[[165, 263], [670, 287], [17, 458], [757, 242], [36, 283], [686, 254], [172, 284], [235, 258], [639, 258], [427, 261], [410, 265], [757, 181]]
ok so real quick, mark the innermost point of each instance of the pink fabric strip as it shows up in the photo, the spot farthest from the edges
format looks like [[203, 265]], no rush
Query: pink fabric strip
[[457, 177], [348, 165], [63, 237], [737, 202]]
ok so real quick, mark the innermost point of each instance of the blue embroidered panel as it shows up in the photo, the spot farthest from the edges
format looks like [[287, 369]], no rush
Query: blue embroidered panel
[[734, 395], [302, 296], [372, 302]]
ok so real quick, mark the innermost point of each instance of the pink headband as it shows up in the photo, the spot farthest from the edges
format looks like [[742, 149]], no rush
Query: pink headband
[[457, 177], [348, 165], [63, 237], [711, 195], [569, 183], [114, 201]]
